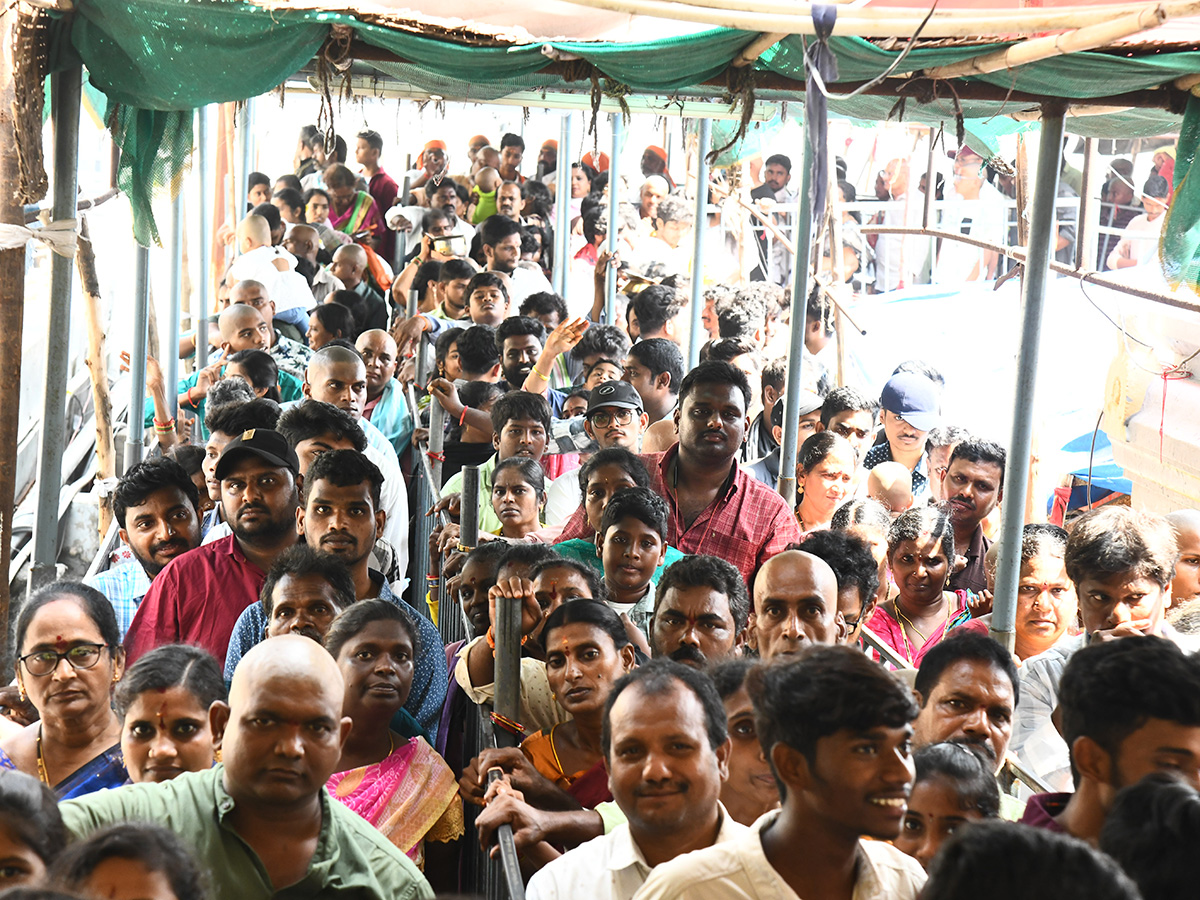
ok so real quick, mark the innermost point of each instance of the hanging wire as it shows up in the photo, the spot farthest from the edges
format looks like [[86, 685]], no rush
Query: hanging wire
[[862, 88]]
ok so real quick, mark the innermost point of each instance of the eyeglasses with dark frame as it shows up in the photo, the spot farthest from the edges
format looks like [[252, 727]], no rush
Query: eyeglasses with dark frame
[[43, 662], [602, 418]]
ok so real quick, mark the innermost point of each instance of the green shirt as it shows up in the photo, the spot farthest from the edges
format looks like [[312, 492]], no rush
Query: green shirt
[[352, 859], [489, 522], [290, 388]]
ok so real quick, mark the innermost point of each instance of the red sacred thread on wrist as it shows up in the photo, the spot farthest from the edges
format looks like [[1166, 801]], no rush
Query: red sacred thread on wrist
[[463, 417]]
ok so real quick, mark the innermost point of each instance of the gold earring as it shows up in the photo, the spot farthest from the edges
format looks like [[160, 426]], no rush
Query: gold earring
[[21, 691]]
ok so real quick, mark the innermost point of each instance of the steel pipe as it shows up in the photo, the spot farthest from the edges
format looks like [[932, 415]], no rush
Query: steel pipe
[[66, 88], [801, 268], [698, 232], [200, 310], [1016, 474], [136, 434], [614, 202]]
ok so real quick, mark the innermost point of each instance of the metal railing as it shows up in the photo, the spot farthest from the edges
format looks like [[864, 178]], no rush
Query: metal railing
[[478, 872]]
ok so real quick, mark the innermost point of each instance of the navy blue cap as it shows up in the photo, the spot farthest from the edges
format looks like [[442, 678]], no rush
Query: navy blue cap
[[914, 398]]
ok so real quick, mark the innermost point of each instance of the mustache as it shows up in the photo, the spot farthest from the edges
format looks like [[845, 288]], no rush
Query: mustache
[[168, 545], [259, 507], [976, 744], [688, 653]]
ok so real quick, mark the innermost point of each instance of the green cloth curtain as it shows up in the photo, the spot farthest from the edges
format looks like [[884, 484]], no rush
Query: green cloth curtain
[[158, 60]]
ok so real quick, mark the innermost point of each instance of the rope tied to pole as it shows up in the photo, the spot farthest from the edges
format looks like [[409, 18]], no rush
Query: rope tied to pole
[[62, 237]]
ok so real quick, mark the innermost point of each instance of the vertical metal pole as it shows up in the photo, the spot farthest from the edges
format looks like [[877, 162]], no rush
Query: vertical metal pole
[[244, 175], [801, 267], [699, 228], [202, 308], [171, 344], [507, 631], [1016, 470], [136, 434], [1088, 218], [401, 250], [562, 206], [65, 92], [468, 518], [437, 437], [614, 200]]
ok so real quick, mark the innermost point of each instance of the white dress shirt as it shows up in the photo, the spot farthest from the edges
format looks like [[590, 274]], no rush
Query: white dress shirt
[[610, 867]]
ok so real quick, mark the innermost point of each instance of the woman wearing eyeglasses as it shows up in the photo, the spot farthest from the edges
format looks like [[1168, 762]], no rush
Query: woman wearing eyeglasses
[[69, 659]]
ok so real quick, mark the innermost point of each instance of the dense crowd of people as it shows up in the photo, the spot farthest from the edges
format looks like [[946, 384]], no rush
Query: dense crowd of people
[[722, 694]]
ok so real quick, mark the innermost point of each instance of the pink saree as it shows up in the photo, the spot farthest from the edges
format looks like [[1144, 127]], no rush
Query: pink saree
[[410, 795]]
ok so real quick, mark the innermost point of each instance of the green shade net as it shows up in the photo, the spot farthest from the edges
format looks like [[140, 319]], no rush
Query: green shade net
[[1179, 247], [157, 61]]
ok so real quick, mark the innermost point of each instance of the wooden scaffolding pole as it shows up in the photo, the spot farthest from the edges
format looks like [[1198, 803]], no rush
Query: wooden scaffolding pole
[[106, 458], [12, 295]]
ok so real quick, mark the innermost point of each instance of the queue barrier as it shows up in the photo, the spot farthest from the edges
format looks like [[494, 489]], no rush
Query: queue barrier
[[478, 872]]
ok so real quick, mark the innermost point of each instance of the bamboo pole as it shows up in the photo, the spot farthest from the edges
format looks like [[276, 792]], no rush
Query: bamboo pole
[[1088, 37], [757, 48], [12, 297], [882, 23], [106, 457], [1022, 182]]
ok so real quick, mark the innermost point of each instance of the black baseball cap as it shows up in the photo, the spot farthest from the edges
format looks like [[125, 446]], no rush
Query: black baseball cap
[[264, 443], [621, 394]]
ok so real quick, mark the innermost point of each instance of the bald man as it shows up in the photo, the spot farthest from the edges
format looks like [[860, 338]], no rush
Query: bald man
[[338, 375], [386, 407], [261, 823], [303, 242], [1185, 588], [290, 355], [240, 327], [795, 605], [350, 266]]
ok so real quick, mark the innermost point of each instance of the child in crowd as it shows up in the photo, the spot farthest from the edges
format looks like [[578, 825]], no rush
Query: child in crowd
[[890, 483], [483, 194], [631, 543]]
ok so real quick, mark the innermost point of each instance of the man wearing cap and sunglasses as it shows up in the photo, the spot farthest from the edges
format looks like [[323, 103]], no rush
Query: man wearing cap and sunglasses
[[614, 418], [198, 597], [911, 409]]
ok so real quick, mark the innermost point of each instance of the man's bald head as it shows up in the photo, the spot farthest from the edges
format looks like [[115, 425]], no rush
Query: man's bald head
[[253, 231], [331, 356], [337, 375], [795, 604], [352, 252], [303, 241], [253, 293], [286, 729], [378, 351], [349, 264], [243, 327], [288, 656]]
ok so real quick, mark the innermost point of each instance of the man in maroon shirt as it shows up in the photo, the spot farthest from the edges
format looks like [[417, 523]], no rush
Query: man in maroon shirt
[[198, 597], [380, 185]]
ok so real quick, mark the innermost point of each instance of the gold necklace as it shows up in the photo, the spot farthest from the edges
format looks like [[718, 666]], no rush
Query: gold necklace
[[42, 776]]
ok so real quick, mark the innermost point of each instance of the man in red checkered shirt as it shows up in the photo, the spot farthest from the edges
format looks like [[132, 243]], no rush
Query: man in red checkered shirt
[[717, 507]]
